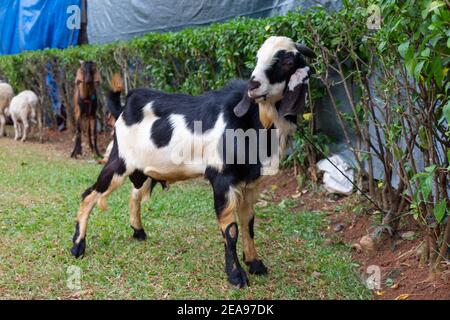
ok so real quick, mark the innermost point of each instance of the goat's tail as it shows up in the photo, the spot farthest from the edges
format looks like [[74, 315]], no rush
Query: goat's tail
[[114, 104]]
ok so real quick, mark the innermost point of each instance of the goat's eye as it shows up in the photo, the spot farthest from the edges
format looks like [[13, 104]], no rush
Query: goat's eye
[[288, 63]]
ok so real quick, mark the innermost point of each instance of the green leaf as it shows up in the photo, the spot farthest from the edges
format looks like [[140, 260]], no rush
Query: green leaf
[[436, 68], [439, 210], [425, 52], [418, 69], [435, 4], [446, 112], [403, 48]]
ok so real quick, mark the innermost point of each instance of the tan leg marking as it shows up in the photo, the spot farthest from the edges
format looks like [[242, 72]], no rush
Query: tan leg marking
[[88, 204], [136, 198], [227, 216], [83, 214], [115, 183], [246, 214]]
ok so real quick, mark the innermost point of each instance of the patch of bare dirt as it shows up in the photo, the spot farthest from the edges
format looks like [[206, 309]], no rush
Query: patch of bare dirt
[[403, 276], [61, 142]]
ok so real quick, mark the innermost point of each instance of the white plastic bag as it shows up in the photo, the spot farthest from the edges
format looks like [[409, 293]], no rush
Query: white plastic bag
[[333, 180]]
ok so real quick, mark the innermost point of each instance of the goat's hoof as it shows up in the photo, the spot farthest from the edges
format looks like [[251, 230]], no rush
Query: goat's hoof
[[78, 249], [139, 234], [257, 267], [238, 278]]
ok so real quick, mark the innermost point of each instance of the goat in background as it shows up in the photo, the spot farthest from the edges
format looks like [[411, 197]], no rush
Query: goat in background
[[86, 104], [23, 111], [6, 95]]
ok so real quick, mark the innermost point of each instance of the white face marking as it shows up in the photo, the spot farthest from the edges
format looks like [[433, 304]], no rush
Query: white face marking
[[265, 57], [298, 78]]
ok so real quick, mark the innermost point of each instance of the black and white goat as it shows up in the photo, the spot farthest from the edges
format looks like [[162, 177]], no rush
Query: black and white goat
[[155, 130]]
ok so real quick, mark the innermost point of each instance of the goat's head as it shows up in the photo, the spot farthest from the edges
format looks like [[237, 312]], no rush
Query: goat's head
[[87, 78], [281, 73]]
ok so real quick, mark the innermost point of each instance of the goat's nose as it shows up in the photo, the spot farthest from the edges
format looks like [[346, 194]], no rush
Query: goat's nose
[[253, 84]]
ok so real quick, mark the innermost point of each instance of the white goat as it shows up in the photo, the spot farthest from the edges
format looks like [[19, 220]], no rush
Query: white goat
[[6, 94], [23, 109]]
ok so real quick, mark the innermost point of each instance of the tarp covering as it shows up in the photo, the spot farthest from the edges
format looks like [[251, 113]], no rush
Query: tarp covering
[[111, 20], [35, 24]]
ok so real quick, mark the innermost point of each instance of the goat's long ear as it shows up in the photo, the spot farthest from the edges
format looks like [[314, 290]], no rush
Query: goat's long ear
[[293, 101], [243, 106], [304, 50]]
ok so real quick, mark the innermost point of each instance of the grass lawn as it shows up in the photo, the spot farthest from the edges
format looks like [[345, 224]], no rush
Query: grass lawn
[[183, 257]]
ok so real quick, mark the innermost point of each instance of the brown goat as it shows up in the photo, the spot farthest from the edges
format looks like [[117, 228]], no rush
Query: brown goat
[[86, 103]]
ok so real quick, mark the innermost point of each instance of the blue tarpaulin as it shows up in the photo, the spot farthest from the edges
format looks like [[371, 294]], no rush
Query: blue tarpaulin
[[36, 24]]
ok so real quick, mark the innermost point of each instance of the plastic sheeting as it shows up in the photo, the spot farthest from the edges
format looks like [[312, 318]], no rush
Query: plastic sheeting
[[35, 24], [334, 181], [111, 20]]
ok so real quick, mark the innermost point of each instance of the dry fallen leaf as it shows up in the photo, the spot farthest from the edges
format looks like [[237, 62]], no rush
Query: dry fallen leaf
[[395, 286], [403, 296], [297, 195], [367, 243], [262, 203], [380, 293]]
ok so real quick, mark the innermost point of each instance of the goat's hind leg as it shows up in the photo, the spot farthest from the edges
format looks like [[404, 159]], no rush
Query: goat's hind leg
[[26, 127], [110, 178], [142, 186]]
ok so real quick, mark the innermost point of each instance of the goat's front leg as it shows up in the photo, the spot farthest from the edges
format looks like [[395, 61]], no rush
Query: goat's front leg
[[93, 138], [110, 178], [77, 150], [141, 188], [225, 202], [246, 215]]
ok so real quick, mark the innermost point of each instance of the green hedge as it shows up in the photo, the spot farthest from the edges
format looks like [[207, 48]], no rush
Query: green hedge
[[190, 61]]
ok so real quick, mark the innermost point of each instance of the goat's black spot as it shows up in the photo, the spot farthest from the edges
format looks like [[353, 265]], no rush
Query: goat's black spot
[[87, 192], [161, 132], [133, 111], [205, 108], [221, 185], [113, 104], [115, 165], [277, 72], [138, 179]]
